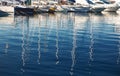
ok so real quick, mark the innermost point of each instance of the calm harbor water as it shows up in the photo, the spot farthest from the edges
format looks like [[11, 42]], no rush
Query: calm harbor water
[[71, 44]]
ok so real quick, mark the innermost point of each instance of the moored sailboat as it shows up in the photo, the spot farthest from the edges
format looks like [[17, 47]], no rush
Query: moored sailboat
[[7, 6], [45, 6], [109, 6], [78, 6], [88, 6], [81, 6], [2, 13], [24, 9], [113, 6], [96, 6]]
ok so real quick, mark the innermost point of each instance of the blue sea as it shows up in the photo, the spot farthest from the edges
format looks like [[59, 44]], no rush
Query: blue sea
[[60, 44]]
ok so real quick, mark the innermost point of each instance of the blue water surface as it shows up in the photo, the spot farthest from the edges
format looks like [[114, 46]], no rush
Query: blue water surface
[[60, 44]]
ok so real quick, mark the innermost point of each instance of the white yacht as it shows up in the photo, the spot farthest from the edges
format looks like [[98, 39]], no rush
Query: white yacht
[[78, 6], [67, 8], [96, 6], [110, 7], [82, 6], [82, 9], [47, 9], [8, 9], [44, 6], [7, 6], [92, 7]]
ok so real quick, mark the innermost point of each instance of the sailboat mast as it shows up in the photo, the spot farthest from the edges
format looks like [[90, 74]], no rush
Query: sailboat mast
[[28, 2]]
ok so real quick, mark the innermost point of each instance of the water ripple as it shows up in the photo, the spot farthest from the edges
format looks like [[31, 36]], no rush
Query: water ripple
[[68, 44]]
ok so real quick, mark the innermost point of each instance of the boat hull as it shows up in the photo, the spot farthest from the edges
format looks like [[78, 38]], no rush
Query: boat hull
[[47, 9], [2, 13], [69, 8], [112, 9], [24, 11], [82, 9], [97, 8], [8, 9]]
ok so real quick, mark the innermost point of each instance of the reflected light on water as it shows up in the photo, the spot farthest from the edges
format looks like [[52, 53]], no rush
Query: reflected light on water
[[6, 48], [23, 47], [73, 51], [39, 53], [118, 59], [61, 44], [57, 46], [25, 41]]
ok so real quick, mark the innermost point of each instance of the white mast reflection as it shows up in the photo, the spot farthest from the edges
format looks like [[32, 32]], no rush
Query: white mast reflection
[[118, 60], [91, 42], [117, 30], [57, 50], [45, 33], [73, 49], [23, 47], [91, 45], [39, 53], [24, 44], [6, 48]]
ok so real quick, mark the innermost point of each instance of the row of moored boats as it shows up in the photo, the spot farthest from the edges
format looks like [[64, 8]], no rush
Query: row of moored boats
[[97, 6]]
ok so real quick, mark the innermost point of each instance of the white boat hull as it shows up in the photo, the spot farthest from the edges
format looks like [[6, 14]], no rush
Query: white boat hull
[[67, 8], [8, 9], [112, 9], [75, 8], [47, 9], [97, 8], [59, 9], [82, 9]]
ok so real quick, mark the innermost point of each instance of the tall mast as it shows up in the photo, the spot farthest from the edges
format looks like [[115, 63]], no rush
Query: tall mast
[[28, 2]]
